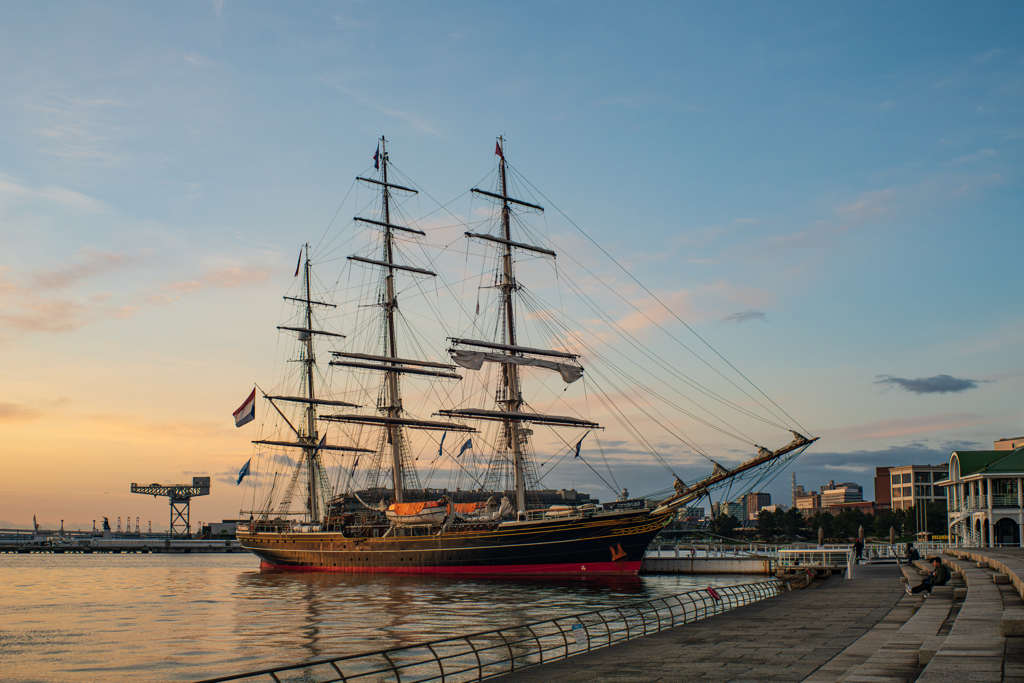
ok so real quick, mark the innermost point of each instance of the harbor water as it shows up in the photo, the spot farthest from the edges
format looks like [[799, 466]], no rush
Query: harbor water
[[187, 617]]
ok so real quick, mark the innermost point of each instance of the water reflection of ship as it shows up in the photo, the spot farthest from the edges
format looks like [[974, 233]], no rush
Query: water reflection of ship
[[336, 614], [500, 524]]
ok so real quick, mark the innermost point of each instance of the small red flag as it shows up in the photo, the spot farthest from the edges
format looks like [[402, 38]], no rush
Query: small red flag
[[497, 150]]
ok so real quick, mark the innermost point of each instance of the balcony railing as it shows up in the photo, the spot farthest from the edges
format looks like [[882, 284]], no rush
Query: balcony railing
[[999, 500]]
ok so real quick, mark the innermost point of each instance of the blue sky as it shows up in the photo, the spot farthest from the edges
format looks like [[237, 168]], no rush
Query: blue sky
[[831, 194]]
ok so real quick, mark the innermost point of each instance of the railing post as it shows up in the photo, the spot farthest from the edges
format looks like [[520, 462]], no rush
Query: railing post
[[398, 676]]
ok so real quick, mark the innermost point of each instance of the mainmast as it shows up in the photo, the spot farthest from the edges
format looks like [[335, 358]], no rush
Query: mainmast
[[393, 400], [390, 363], [513, 396], [311, 434]]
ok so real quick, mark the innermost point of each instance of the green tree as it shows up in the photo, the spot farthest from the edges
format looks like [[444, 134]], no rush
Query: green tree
[[792, 523], [847, 523], [767, 527], [890, 519], [822, 520], [724, 525]]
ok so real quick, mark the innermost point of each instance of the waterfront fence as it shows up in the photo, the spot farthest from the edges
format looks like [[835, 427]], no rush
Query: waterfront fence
[[478, 656]]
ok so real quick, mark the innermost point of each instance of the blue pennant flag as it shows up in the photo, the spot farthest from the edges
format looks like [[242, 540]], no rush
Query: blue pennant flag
[[323, 440], [578, 444], [441, 445], [376, 158], [243, 472], [465, 447]]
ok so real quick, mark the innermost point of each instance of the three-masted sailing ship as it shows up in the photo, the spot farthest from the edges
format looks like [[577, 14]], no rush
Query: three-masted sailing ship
[[303, 520]]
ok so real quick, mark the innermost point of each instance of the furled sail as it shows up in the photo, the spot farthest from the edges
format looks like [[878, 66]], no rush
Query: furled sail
[[474, 360]]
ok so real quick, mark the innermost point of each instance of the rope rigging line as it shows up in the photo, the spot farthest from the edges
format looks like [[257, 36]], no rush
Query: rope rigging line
[[668, 310]]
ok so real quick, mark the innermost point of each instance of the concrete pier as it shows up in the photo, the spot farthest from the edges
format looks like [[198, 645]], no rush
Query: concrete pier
[[707, 565], [858, 630]]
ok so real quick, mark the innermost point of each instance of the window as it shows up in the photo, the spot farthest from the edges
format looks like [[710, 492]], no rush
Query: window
[[897, 492], [906, 477], [896, 479], [908, 491], [922, 477], [923, 490], [940, 476]]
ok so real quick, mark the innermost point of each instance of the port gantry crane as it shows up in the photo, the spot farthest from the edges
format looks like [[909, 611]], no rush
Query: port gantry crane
[[180, 496]]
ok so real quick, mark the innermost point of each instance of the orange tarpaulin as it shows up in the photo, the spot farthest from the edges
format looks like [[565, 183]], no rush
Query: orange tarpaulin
[[411, 508], [466, 508]]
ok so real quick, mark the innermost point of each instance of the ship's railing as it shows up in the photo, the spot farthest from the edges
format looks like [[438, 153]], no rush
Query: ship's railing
[[483, 655]]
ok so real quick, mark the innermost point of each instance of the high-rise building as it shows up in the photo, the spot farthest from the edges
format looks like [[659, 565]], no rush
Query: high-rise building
[[754, 502], [911, 485], [883, 491], [835, 494]]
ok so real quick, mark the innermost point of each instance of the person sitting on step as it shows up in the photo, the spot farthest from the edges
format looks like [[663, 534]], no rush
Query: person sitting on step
[[938, 577]]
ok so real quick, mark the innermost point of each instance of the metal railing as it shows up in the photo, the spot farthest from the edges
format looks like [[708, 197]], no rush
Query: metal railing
[[479, 656], [824, 556], [715, 550]]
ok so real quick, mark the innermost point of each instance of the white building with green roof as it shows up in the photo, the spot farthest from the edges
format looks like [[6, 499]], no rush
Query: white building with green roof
[[985, 497]]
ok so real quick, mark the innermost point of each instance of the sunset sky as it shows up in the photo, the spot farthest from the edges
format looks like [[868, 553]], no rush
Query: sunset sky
[[830, 194]]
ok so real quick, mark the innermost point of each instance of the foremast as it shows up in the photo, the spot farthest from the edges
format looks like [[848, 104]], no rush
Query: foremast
[[306, 433]]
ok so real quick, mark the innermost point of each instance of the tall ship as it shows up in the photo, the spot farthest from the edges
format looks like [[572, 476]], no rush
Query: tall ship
[[370, 414]]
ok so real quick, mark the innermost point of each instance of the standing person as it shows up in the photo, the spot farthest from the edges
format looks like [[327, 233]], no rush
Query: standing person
[[938, 577], [858, 549]]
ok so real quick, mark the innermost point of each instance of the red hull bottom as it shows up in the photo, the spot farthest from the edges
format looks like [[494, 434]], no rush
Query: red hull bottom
[[627, 568]]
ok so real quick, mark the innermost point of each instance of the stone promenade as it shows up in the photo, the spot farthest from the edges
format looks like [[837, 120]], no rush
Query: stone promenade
[[861, 630]]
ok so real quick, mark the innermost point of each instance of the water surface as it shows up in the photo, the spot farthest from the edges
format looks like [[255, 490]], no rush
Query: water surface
[[186, 617]]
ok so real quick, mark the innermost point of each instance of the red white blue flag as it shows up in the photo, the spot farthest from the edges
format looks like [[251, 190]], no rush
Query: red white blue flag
[[246, 413]]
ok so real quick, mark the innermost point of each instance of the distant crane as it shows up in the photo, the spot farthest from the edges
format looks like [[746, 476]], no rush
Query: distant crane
[[180, 496]]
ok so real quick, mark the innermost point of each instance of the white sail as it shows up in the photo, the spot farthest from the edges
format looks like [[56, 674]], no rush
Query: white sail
[[474, 360]]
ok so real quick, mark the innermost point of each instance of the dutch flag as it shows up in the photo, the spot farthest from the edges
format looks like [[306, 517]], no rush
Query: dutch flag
[[247, 412]]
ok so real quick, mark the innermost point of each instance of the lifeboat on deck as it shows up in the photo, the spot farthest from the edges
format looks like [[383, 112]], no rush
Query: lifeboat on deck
[[409, 514]]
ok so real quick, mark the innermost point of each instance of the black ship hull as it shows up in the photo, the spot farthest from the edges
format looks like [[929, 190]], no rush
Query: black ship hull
[[602, 544]]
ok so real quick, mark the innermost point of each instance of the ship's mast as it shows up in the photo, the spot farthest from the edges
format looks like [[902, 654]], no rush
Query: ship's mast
[[393, 401], [514, 411], [392, 417], [310, 361], [513, 397]]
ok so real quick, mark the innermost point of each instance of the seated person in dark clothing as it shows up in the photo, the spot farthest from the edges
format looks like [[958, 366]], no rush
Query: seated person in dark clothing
[[938, 577], [912, 554]]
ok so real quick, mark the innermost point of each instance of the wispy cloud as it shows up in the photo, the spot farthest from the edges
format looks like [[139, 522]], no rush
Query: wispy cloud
[[226, 277], [87, 263], [987, 56], [417, 122], [980, 154], [904, 427], [39, 302], [17, 412], [939, 384], [14, 191], [56, 300], [745, 316], [76, 130]]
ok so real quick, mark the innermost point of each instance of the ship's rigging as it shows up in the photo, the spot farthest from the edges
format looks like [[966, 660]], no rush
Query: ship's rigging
[[358, 397]]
